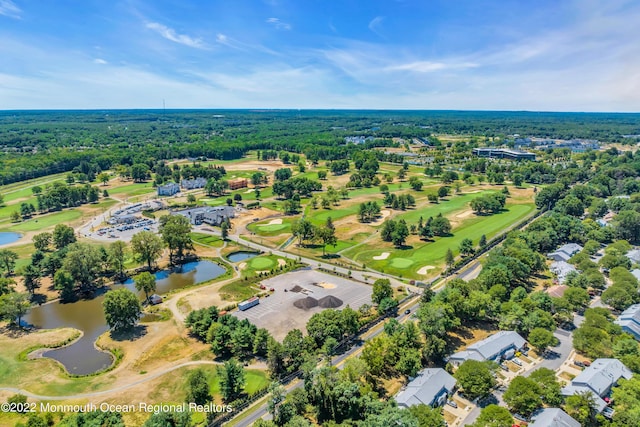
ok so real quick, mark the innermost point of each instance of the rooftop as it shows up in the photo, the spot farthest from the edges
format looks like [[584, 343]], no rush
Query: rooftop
[[426, 387], [553, 417]]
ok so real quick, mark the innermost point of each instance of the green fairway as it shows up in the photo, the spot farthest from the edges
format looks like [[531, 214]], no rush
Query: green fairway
[[261, 263], [407, 262], [453, 203], [132, 189], [319, 216], [207, 240], [45, 221]]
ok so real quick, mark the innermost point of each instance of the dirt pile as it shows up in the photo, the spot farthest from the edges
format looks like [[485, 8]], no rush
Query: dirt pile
[[306, 303], [330, 302]]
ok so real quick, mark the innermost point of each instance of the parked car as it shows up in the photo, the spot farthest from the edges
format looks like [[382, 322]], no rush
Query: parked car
[[519, 417], [516, 361], [504, 367], [587, 363], [452, 403], [407, 311], [608, 412], [578, 363]]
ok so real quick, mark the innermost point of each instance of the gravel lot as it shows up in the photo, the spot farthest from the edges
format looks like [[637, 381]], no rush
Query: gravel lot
[[277, 313]]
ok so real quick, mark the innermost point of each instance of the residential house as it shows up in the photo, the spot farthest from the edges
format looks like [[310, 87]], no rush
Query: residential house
[[634, 256], [564, 252], [432, 386], [598, 379], [553, 417], [561, 269], [636, 274], [501, 345], [629, 320], [168, 189]]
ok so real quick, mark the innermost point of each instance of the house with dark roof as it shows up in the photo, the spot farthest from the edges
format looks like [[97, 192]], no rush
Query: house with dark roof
[[501, 345], [432, 386], [564, 252], [629, 320], [553, 417], [598, 380]]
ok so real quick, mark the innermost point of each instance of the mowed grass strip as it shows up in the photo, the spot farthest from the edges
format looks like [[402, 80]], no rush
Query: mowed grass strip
[[132, 189], [406, 262], [41, 222], [266, 229], [207, 240]]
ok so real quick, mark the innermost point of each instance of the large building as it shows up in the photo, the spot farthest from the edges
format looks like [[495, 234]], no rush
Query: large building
[[598, 380], [432, 386], [190, 184], [207, 215], [168, 189], [501, 345], [237, 183], [629, 320], [503, 153]]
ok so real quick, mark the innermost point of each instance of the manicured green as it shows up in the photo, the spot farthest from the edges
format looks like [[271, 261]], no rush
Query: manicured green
[[401, 262], [40, 222], [265, 229], [261, 263], [272, 227]]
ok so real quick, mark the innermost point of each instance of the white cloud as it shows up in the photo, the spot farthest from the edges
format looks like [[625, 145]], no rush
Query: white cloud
[[8, 8], [278, 24], [429, 66], [170, 34], [100, 61], [375, 23]]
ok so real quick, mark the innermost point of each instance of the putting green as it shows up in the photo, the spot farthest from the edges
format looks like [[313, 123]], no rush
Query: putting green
[[261, 263], [401, 262], [272, 227]]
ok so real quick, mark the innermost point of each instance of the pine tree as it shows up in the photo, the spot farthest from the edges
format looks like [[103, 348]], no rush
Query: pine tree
[[449, 259]]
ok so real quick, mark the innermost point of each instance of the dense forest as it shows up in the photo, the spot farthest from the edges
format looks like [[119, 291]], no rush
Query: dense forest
[[38, 143]]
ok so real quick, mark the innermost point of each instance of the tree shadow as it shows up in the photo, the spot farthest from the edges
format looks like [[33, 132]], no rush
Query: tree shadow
[[38, 298], [14, 331], [331, 256], [404, 247], [132, 334]]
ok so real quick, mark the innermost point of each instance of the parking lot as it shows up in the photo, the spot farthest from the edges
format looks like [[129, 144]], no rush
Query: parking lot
[[279, 315], [124, 231]]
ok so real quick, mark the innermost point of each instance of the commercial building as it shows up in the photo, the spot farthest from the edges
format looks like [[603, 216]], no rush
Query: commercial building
[[237, 183], [432, 386], [501, 345], [598, 380], [629, 320], [190, 184], [503, 153], [208, 215], [168, 189]]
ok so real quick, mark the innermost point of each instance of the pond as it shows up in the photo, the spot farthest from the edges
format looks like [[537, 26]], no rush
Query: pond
[[241, 256], [7, 237], [82, 357]]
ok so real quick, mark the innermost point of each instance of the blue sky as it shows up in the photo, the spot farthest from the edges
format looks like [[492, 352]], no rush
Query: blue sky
[[543, 55]]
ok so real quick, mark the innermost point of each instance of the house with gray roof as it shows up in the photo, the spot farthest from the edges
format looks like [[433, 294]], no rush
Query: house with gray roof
[[629, 320], [168, 189], [636, 274], [598, 379], [553, 417], [561, 269], [501, 345], [564, 252], [634, 255], [432, 386], [207, 214]]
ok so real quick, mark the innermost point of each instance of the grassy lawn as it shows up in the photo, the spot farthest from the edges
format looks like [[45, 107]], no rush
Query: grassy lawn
[[207, 240], [453, 203], [319, 216], [22, 185], [129, 190], [41, 222], [237, 291], [407, 262]]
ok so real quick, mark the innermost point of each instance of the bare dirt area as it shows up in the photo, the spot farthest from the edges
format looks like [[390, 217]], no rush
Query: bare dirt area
[[241, 221], [257, 165], [279, 315]]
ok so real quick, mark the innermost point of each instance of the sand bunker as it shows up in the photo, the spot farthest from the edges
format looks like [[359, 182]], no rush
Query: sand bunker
[[242, 266], [281, 262], [330, 302], [465, 214], [326, 285], [425, 269], [251, 190], [383, 215], [382, 256], [276, 221], [306, 303]]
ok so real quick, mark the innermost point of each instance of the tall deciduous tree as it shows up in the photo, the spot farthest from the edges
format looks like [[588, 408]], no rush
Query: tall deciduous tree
[[475, 377], [63, 236], [117, 256], [198, 387], [175, 230], [84, 263], [145, 282], [121, 309], [31, 277], [147, 246], [8, 260], [13, 306]]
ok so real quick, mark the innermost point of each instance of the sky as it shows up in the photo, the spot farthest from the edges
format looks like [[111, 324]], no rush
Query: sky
[[543, 55]]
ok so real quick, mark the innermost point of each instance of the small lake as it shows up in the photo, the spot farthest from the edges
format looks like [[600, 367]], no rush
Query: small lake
[[82, 357], [241, 256], [7, 237]]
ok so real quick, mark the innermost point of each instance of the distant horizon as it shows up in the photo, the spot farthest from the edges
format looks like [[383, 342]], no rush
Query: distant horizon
[[256, 109], [401, 55]]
